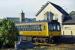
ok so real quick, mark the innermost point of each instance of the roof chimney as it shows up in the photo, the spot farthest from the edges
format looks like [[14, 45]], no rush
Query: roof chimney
[[22, 16]]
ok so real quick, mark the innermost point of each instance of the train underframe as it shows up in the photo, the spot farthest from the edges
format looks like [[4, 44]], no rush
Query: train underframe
[[50, 40], [42, 40]]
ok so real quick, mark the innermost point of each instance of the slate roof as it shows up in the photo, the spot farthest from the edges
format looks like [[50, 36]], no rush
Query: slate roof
[[56, 6], [70, 22]]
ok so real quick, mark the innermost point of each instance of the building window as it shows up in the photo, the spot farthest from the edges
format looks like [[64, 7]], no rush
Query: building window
[[50, 16], [67, 28]]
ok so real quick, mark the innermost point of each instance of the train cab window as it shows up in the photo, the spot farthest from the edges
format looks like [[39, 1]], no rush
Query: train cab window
[[58, 27], [54, 27]]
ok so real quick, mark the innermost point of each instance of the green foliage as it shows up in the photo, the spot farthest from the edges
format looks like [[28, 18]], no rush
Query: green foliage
[[72, 13], [8, 32]]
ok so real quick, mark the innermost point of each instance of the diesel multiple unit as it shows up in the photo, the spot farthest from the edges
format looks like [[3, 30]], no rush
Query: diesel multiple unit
[[39, 31]]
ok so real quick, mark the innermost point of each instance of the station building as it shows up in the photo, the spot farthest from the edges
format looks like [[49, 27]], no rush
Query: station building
[[51, 11]]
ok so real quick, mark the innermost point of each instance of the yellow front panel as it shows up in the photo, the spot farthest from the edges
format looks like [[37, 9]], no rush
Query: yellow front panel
[[54, 33]]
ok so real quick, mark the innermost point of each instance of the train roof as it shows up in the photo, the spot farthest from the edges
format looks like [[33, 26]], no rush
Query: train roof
[[30, 23], [40, 22]]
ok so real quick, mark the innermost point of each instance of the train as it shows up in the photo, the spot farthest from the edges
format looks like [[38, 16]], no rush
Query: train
[[39, 32]]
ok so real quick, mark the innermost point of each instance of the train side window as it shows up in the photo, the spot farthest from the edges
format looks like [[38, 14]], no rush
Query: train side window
[[19, 27], [29, 27], [40, 27]]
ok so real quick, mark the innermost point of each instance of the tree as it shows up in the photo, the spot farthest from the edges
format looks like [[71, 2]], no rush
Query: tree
[[72, 13], [8, 33]]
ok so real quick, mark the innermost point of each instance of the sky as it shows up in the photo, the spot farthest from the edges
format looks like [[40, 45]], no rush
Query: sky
[[13, 8]]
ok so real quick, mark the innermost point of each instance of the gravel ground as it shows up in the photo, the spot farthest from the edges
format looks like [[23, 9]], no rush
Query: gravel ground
[[52, 47]]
